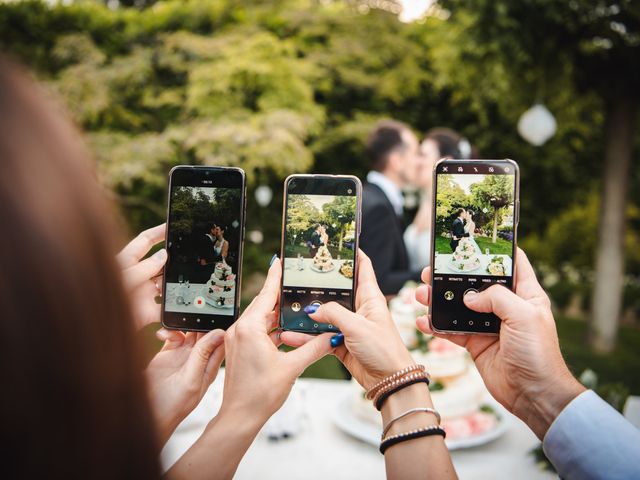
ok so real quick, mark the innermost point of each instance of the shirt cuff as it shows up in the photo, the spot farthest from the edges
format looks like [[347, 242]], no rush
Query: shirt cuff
[[590, 439]]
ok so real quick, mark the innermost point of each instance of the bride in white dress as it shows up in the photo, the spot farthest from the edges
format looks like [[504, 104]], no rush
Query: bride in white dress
[[470, 228]]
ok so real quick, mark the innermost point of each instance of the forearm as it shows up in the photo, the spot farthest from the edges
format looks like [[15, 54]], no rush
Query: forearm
[[425, 457], [218, 452]]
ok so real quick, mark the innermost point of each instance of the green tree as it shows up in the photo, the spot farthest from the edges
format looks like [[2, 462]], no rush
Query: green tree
[[341, 211], [450, 197], [301, 216], [494, 192]]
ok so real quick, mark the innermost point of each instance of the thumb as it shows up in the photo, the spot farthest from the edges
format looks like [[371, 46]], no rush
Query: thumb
[[335, 314], [310, 352], [201, 353], [499, 300]]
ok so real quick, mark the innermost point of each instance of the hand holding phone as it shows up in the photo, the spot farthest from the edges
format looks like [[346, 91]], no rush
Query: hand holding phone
[[205, 234], [475, 220], [320, 230]]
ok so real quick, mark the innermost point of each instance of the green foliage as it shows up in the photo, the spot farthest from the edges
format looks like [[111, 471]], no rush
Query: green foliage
[[295, 85]]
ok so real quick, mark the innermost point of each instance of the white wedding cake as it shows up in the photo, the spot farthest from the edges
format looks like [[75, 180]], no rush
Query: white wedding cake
[[465, 257], [322, 261], [221, 287]]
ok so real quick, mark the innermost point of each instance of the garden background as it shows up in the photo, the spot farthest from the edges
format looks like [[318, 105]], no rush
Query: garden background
[[295, 85]]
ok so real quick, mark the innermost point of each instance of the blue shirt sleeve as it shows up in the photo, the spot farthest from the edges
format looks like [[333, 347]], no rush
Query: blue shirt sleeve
[[591, 440]]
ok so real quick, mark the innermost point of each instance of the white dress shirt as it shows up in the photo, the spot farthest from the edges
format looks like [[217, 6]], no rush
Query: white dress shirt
[[591, 440], [390, 189]]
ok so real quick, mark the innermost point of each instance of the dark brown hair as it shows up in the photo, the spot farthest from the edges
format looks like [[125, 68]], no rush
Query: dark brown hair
[[73, 402], [384, 140], [448, 141]]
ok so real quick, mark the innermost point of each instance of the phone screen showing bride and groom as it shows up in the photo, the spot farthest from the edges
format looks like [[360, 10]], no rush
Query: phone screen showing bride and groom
[[474, 239], [204, 245], [319, 245]]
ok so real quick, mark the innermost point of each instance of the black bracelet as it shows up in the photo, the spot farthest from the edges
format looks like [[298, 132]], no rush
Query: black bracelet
[[386, 395], [418, 433]]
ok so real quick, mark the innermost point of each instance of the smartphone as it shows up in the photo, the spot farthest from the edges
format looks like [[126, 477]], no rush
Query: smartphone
[[205, 234], [320, 231], [475, 216]]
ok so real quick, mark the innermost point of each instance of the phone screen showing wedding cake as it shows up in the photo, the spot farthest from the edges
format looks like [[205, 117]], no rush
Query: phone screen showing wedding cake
[[474, 241], [204, 242], [320, 241]]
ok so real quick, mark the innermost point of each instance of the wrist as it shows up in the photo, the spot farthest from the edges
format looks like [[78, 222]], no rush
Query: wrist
[[540, 405], [251, 418], [413, 396]]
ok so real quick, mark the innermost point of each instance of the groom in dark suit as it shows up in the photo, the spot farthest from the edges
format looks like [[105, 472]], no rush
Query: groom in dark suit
[[393, 151], [457, 229], [315, 242]]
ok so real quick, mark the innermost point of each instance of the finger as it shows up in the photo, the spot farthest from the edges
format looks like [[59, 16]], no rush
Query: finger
[[275, 338], [426, 275], [190, 339], [171, 338], [213, 365], [141, 272], [367, 283], [310, 352], [499, 300], [201, 353], [295, 339], [140, 246], [335, 314], [423, 294], [527, 285], [267, 299]]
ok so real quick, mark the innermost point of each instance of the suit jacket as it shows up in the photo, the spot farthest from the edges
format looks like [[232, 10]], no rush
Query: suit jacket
[[381, 239], [457, 228], [316, 241]]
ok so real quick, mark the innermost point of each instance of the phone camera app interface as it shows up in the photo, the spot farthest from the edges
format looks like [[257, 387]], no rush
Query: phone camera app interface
[[204, 245], [474, 239], [319, 251]]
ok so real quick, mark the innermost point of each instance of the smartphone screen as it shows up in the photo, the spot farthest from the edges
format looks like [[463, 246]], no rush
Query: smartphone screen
[[205, 230], [321, 226], [475, 223]]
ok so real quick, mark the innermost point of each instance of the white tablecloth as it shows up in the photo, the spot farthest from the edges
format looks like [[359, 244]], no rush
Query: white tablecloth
[[307, 277], [443, 264], [321, 450]]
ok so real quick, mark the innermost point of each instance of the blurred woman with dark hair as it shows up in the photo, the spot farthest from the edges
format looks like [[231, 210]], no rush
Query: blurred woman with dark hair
[[438, 143], [75, 402]]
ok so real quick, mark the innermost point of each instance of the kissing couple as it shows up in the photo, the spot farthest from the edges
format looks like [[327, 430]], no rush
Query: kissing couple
[[463, 226]]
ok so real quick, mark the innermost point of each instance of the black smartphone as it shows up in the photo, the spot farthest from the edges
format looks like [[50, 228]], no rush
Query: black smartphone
[[475, 220], [205, 234], [320, 231]]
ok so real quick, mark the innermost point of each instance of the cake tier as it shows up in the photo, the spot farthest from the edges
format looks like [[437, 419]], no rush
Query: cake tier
[[214, 292]]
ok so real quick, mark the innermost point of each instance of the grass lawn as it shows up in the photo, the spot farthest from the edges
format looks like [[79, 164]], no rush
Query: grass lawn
[[501, 247]]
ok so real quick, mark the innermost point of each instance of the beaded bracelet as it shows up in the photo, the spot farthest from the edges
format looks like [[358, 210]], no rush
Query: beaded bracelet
[[411, 412], [382, 397], [371, 392], [410, 435], [397, 382]]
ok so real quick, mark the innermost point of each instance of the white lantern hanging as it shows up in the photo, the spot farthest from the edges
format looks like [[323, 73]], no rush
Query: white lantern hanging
[[263, 194], [537, 125]]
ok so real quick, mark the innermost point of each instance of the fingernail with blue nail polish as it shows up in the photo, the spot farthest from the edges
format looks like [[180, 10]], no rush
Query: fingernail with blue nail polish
[[337, 340], [313, 308], [273, 259]]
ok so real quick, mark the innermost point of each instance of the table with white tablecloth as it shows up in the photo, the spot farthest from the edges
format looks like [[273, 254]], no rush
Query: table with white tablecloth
[[321, 450]]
